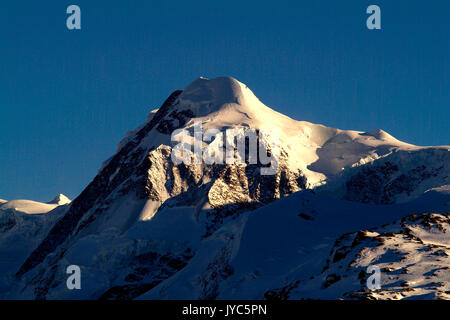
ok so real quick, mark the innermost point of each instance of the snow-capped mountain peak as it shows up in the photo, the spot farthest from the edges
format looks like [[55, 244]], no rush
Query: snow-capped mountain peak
[[60, 199], [145, 217]]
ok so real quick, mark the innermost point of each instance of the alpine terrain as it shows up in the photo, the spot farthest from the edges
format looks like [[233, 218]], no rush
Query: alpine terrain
[[147, 227]]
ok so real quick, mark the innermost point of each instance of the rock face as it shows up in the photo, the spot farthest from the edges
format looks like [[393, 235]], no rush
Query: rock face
[[412, 254], [145, 219], [399, 177], [142, 172]]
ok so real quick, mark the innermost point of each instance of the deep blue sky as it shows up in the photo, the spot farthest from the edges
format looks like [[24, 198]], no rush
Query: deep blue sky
[[67, 97]]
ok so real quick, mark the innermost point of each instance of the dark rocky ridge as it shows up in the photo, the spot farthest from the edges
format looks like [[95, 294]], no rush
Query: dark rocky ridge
[[96, 191], [150, 174]]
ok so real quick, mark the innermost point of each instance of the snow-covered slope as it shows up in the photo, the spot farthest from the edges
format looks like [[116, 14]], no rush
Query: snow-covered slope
[[60, 199], [412, 254], [27, 206], [33, 207], [397, 177], [23, 225], [285, 243], [148, 227]]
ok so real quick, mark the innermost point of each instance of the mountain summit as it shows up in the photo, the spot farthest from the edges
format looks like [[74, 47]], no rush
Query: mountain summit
[[149, 227], [60, 199]]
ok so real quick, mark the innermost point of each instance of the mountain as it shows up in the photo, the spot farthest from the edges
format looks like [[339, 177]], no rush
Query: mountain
[[60, 199], [251, 226], [412, 253], [33, 207], [23, 225], [287, 250]]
